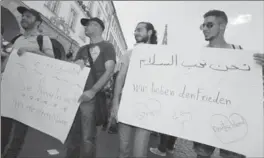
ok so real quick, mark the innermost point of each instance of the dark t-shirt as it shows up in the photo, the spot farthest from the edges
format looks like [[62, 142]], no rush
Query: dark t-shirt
[[100, 52]]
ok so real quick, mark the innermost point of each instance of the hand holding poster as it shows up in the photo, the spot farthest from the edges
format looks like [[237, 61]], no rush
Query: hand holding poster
[[212, 96], [42, 92]]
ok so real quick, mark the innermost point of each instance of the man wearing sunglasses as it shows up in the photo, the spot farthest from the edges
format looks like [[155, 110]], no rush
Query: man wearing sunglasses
[[213, 28]]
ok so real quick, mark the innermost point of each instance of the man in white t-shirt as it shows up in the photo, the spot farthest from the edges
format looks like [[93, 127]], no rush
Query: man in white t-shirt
[[27, 42]]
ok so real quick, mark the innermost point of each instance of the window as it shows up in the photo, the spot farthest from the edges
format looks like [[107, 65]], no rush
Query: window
[[82, 35], [90, 5], [52, 6], [108, 12], [106, 9], [106, 25], [72, 19], [98, 13], [111, 38], [119, 52], [117, 31], [115, 45], [104, 21]]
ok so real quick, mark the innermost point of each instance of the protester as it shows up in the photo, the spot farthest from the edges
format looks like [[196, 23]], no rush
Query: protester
[[27, 42], [144, 33], [214, 26], [100, 56], [166, 145]]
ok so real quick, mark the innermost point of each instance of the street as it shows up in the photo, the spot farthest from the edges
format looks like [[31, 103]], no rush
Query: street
[[37, 145]]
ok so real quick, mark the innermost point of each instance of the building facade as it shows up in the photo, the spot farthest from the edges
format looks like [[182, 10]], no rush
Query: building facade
[[61, 22]]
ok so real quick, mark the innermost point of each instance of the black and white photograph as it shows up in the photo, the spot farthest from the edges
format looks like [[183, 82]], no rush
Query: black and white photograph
[[132, 79]]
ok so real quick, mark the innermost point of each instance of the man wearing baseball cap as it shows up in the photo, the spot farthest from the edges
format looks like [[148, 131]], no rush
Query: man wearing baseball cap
[[100, 56], [85, 22], [26, 42]]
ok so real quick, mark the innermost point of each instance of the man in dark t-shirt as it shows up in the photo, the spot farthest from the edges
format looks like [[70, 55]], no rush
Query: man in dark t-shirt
[[82, 136]]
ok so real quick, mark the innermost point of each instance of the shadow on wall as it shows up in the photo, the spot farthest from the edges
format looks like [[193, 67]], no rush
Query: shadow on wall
[[10, 24]]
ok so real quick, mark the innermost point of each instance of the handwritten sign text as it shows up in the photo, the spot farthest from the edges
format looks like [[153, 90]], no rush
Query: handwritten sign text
[[42, 92], [212, 96]]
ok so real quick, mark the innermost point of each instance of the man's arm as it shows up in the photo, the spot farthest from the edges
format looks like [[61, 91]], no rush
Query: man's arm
[[120, 78], [109, 71], [119, 83], [109, 57], [109, 63], [47, 47]]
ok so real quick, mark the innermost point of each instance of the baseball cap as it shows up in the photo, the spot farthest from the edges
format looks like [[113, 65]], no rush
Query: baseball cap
[[21, 10], [84, 22]]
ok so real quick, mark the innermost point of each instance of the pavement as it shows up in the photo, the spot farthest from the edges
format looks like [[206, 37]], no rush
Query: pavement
[[38, 144]]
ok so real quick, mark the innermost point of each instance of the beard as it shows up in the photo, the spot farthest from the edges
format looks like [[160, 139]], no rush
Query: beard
[[209, 38], [143, 40], [212, 37], [27, 26]]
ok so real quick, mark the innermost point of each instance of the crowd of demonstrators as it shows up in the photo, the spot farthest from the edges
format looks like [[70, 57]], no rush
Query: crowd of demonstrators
[[99, 102], [213, 27], [99, 55]]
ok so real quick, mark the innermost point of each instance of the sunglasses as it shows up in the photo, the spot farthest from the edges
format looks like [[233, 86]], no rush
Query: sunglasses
[[209, 25]]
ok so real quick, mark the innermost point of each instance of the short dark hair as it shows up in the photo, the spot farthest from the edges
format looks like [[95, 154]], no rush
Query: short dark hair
[[218, 14], [153, 38]]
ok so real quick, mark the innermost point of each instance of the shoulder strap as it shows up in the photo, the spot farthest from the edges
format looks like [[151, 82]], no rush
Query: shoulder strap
[[40, 41], [15, 38]]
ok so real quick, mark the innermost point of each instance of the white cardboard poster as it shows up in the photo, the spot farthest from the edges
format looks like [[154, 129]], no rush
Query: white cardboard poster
[[42, 92], [212, 96]]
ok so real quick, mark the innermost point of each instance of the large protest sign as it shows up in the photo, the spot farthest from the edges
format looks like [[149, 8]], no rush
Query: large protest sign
[[42, 92], [212, 96]]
